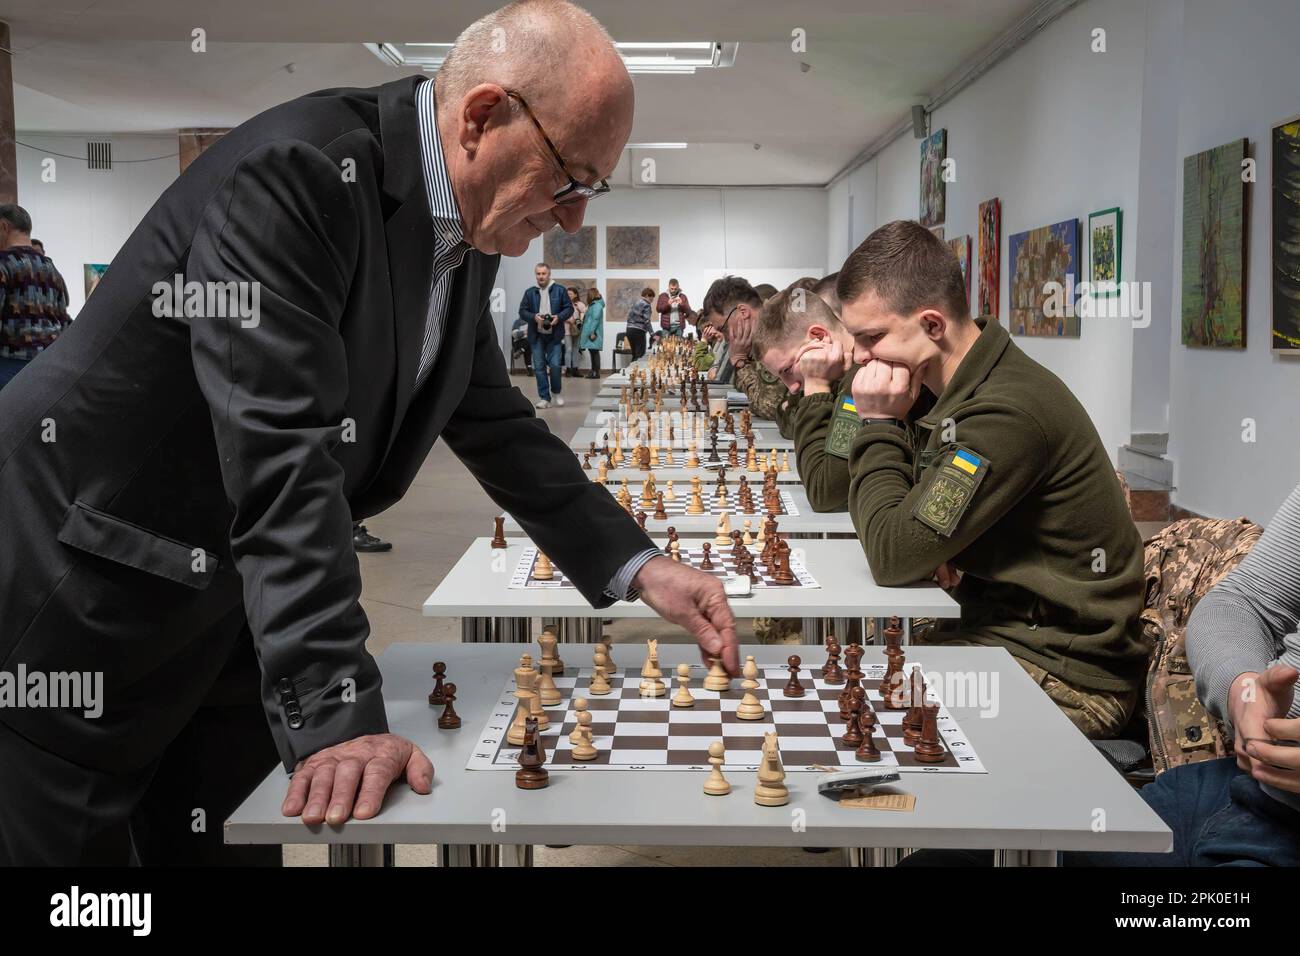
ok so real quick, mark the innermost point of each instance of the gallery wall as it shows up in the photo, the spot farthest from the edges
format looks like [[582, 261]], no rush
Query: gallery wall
[[766, 235], [1246, 79], [1052, 131], [84, 215]]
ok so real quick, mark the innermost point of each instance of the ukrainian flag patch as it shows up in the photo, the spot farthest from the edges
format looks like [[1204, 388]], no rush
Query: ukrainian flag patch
[[950, 487], [848, 404], [966, 461]]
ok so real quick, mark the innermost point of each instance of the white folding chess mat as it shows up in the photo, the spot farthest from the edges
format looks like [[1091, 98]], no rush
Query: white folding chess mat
[[631, 732], [724, 566]]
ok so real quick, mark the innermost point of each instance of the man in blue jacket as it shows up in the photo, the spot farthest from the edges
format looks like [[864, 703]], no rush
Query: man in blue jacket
[[546, 332]]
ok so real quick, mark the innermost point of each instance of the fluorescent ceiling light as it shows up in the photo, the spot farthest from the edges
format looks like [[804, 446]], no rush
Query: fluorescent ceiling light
[[684, 57], [655, 146]]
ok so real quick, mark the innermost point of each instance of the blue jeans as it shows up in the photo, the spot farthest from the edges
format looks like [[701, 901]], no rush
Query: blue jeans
[[9, 367], [547, 355]]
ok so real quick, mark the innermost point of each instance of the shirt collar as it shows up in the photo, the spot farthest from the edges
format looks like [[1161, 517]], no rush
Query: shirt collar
[[437, 182], [973, 370]]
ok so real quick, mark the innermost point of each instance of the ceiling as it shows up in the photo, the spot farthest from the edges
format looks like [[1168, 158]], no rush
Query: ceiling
[[124, 66]]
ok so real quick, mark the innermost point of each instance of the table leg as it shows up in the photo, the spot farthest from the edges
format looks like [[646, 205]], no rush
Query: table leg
[[475, 630], [459, 854], [1025, 858], [494, 630], [878, 857], [579, 630], [361, 854]]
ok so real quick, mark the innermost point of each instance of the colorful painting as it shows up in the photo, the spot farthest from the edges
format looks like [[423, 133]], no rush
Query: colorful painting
[[1044, 269], [934, 150], [622, 294], [990, 257], [562, 250], [961, 249], [1214, 248], [93, 273], [631, 247], [1286, 236], [1104, 235]]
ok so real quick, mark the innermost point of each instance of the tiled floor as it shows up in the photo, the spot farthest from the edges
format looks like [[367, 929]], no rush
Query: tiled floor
[[430, 529]]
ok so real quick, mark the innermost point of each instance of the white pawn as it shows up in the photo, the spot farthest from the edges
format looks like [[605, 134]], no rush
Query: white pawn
[[750, 707], [599, 685], [716, 785], [579, 708], [747, 539], [669, 494], [542, 569], [683, 696], [584, 749]]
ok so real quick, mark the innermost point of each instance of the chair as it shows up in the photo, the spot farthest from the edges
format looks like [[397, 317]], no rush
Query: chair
[[622, 347]]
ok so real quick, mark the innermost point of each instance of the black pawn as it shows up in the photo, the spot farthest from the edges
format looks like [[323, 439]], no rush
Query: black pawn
[[436, 695], [449, 720], [706, 563]]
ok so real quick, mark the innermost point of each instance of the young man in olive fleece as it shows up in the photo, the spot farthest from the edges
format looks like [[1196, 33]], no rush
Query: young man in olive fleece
[[732, 306], [1004, 481], [809, 350]]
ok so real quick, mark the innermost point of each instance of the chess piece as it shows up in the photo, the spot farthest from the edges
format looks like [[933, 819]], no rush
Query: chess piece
[[669, 494], [532, 775], [548, 642], [853, 731], [524, 693], [683, 696], [676, 552], [929, 749], [598, 686], [783, 574], [716, 785], [439, 672], [696, 506], [751, 708], [694, 460], [449, 720], [785, 461], [579, 708], [913, 719], [747, 539], [610, 667], [546, 690], [717, 678], [542, 568], [584, 749], [499, 532], [852, 678], [832, 673], [867, 751], [660, 513], [771, 791], [706, 563], [602, 472], [652, 684], [640, 519], [723, 536], [793, 688]]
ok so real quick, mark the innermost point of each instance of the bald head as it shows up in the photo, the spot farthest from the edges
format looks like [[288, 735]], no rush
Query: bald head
[[561, 62]]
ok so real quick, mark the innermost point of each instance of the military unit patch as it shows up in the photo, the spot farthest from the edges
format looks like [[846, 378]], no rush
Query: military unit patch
[[958, 474], [844, 425]]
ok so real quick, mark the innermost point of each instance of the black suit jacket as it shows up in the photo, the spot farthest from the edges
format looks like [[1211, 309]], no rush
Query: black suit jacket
[[167, 482]]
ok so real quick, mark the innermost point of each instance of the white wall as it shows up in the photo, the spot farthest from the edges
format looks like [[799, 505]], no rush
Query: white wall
[[84, 216], [1053, 131], [766, 235], [1241, 76]]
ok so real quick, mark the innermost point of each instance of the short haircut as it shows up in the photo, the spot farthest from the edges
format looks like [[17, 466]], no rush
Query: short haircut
[[647, 291], [826, 289], [787, 317], [542, 265], [909, 267], [37, 244], [765, 290], [674, 282], [16, 216], [727, 293]]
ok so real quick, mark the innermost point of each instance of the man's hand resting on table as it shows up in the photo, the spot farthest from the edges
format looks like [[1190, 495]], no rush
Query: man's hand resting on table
[[1257, 709], [693, 600], [324, 786]]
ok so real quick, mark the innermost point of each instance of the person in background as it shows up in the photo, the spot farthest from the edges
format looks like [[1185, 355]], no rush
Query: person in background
[[33, 296], [519, 342], [38, 246], [638, 322], [546, 318], [719, 368], [732, 306], [674, 309], [765, 290], [572, 326], [593, 329]]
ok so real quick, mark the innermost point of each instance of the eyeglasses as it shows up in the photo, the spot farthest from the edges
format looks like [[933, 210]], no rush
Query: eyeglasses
[[726, 320], [573, 191]]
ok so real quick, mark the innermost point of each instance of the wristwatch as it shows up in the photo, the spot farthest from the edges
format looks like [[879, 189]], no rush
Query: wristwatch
[[897, 422]]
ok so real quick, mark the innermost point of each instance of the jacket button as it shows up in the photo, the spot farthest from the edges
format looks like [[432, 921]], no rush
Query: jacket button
[[295, 721], [285, 686]]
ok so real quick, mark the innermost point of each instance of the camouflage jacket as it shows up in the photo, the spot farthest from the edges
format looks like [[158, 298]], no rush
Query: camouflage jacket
[[764, 389]]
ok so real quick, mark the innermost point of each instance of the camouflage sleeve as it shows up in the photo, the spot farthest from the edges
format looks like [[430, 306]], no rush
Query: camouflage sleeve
[[764, 389], [825, 476]]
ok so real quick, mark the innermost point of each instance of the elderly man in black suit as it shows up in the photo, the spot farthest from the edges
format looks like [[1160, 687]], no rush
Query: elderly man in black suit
[[271, 356]]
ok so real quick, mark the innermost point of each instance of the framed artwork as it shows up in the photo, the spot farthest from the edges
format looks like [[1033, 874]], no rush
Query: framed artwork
[[93, 272], [1044, 268], [1104, 234], [961, 249], [937, 230], [934, 150], [1286, 236], [562, 250], [631, 247], [990, 257], [622, 294], [1214, 248]]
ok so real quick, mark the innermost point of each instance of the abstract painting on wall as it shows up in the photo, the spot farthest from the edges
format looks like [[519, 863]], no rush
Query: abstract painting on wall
[[934, 150], [1214, 248], [990, 261], [562, 250], [1286, 236], [631, 247], [622, 294], [1044, 270], [93, 273], [1104, 234], [961, 249]]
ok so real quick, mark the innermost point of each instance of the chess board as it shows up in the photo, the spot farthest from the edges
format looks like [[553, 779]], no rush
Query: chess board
[[712, 506], [635, 733], [723, 567]]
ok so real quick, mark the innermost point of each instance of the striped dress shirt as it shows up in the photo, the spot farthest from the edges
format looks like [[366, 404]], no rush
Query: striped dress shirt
[[450, 249]]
